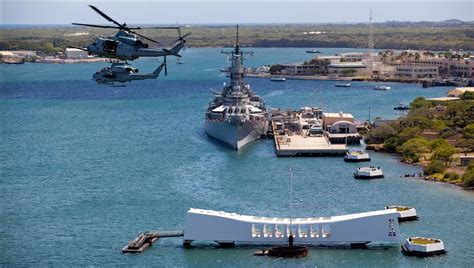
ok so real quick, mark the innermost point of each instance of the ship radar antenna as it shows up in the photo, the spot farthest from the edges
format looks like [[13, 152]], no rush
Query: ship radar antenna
[[237, 36], [237, 48]]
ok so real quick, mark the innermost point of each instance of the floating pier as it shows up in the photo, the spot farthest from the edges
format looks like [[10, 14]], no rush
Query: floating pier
[[146, 240]]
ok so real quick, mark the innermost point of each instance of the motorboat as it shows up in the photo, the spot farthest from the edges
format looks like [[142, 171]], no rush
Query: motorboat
[[348, 84], [382, 87], [358, 156], [368, 173], [278, 79]]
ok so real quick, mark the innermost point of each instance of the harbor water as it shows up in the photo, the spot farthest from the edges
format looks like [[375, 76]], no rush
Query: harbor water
[[85, 168]]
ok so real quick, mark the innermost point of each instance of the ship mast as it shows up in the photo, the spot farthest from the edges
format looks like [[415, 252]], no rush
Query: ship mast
[[236, 68]]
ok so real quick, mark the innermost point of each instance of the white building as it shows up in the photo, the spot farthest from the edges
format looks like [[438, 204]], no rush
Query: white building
[[231, 228], [339, 123], [417, 72], [464, 68], [74, 53]]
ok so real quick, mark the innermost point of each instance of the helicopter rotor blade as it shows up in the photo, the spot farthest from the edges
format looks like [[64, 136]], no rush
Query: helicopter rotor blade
[[144, 37], [96, 26], [182, 38], [166, 67], [107, 17], [162, 28], [81, 48]]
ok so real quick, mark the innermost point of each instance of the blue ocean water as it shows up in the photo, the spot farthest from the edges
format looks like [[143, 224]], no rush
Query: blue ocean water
[[84, 168]]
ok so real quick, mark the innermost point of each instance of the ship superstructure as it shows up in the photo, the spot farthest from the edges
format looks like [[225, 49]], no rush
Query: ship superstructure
[[236, 115]]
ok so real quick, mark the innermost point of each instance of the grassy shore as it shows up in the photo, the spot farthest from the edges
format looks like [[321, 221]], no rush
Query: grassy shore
[[435, 135], [390, 35]]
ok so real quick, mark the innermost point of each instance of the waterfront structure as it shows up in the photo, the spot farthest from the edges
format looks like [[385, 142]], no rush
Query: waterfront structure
[[300, 133], [302, 69], [74, 53], [230, 228], [339, 123], [348, 69], [423, 247], [416, 72], [236, 115]]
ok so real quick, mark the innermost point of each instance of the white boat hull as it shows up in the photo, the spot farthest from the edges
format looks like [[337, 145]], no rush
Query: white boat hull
[[236, 134]]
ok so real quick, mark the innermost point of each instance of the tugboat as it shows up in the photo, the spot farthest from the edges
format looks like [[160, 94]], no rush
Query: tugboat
[[236, 116], [423, 247], [368, 173], [405, 213], [358, 156], [381, 87]]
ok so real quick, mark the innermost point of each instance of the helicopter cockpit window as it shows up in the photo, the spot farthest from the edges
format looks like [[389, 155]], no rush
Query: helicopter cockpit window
[[136, 70], [110, 45]]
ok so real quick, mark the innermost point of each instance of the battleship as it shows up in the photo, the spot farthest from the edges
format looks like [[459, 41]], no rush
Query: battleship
[[236, 116]]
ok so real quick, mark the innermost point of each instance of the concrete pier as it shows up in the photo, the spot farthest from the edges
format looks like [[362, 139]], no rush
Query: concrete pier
[[301, 134]]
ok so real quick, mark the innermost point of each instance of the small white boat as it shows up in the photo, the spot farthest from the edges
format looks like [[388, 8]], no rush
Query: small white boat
[[358, 156], [423, 247], [278, 79], [382, 87], [368, 173], [405, 213], [343, 84]]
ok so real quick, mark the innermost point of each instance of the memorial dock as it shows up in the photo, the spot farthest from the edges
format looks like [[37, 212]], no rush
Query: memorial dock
[[146, 240], [301, 133]]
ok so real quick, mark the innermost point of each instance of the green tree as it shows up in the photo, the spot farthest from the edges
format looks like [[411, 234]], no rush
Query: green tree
[[276, 69], [412, 149], [435, 166], [468, 95], [420, 102], [444, 153], [438, 143], [468, 177], [469, 131], [380, 134], [390, 145], [408, 133]]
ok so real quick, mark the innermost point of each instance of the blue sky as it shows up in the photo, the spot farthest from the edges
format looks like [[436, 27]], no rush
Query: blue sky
[[159, 12]]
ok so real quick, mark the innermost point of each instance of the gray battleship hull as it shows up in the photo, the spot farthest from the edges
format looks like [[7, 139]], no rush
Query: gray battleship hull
[[236, 134]]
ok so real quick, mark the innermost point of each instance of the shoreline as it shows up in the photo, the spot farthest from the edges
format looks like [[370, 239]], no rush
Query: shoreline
[[379, 149], [326, 78]]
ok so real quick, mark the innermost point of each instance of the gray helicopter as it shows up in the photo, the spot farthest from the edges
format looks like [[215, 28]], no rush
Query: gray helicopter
[[122, 72], [125, 45]]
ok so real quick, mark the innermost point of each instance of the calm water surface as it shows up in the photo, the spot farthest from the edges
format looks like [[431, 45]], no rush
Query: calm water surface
[[84, 168]]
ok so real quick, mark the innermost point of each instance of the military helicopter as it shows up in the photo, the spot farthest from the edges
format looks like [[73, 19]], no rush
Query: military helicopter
[[125, 45], [121, 73]]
